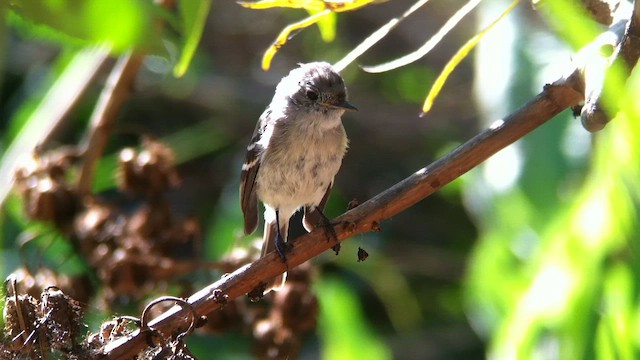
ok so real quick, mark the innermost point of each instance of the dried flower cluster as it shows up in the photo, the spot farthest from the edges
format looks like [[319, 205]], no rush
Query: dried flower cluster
[[39, 326]]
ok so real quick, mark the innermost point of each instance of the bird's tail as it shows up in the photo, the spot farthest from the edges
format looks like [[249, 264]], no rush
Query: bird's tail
[[269, 244]]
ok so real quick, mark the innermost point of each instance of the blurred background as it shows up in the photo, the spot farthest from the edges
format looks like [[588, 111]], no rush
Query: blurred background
[[531, 255]]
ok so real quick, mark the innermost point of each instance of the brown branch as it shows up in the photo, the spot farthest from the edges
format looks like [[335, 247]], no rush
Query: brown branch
[[556, 97], [630, 44], [602, 11], [623, 37], [113, 95]]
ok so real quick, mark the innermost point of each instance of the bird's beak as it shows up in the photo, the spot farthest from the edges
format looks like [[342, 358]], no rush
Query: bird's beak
[[345, 105]]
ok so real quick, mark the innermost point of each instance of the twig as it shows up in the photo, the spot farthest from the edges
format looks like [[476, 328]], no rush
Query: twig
[[556, 97], [429, 45], [630, 45], [376, 36], [113, 95]]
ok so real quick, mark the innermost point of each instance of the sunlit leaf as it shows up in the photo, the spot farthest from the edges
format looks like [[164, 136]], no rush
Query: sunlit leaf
[[460, 55], [578, 286], [617, 328], [320, 10], [310, 5], [570, 20], [282, 39], [193, 15], [340, 6]]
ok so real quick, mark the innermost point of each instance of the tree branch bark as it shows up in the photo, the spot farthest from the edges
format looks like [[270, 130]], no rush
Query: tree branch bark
[[555, 98], [104, 116]]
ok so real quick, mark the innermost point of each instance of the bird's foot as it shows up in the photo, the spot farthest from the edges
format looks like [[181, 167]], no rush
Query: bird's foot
[[327, 225], [282, 247]]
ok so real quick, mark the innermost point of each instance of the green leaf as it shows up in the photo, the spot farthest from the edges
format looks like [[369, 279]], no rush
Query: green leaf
[[460, 55], [193, 15], [327, 26], [570, 20]]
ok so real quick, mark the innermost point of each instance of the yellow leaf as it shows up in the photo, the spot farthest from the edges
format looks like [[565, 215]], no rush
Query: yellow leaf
[[284, 36], [321, 12], [316, 5], [458, 57]]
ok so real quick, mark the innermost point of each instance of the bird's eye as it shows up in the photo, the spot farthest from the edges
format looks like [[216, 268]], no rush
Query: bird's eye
[[312, 95]]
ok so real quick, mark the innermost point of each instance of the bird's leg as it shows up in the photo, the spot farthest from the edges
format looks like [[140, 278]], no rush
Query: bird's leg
[[282, 247], [325, 222]]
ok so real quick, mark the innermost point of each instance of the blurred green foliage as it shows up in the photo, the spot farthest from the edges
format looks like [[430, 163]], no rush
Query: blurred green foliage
[[346, 333], [121, 24], [555, 273]]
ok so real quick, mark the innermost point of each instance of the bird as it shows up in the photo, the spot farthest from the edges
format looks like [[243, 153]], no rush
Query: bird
[[294, 155]]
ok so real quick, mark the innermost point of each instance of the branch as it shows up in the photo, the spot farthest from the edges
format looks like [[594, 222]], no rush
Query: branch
[[563, 94], [630, 44], [599, 68], [113, 95]]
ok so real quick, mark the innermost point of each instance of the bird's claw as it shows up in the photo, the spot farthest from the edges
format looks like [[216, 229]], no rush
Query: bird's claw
[[282, 247]]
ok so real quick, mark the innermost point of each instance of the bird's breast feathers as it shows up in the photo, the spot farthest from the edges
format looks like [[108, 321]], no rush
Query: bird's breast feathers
[[296, 172]]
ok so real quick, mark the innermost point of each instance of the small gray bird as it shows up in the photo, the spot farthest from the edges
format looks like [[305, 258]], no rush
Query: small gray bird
[[294, 154]]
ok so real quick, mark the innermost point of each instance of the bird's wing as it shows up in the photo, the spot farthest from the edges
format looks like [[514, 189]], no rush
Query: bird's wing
[[248, 196]]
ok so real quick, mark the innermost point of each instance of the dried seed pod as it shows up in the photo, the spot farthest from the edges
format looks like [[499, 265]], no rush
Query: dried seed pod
[[174, 350], [62, 317], [225, 318], [362, 254], [110, 331], [79, 287], [49, 200], [93, 224], [297, 307], [148, 172], [6, 353], [20, 321], [272, 341], [46, 195]]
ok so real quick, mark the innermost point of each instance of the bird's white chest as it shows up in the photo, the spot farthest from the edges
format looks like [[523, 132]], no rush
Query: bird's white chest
[[298, 165]]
